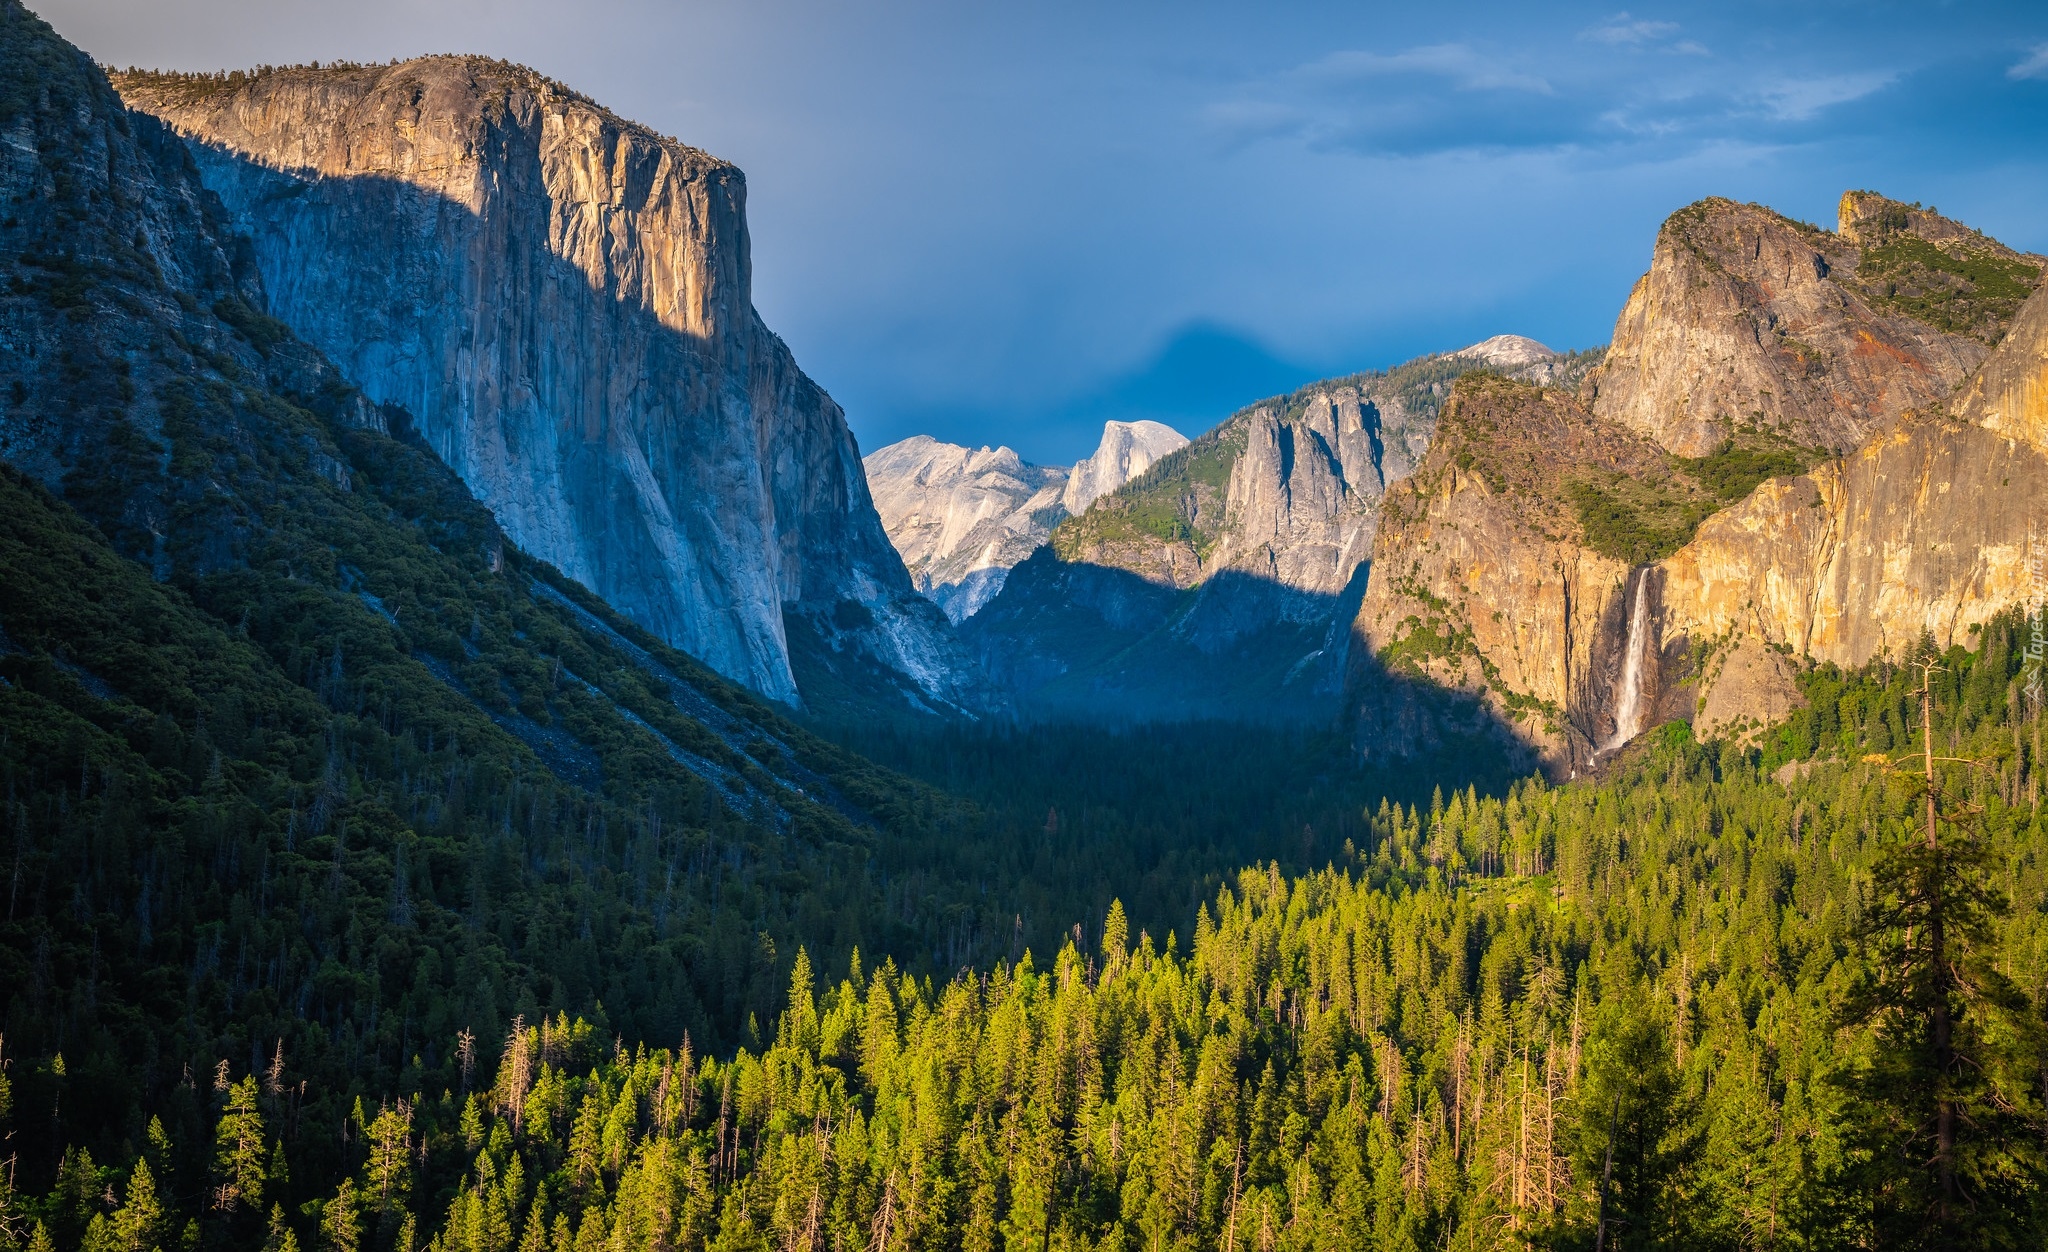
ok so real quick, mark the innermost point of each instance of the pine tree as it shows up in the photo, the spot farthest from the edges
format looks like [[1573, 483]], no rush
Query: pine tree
[[139, 1224], [390, 1156], [341, 1228], [279, 1237], [1636, 1132], [1946, 1112], [239, 1154]]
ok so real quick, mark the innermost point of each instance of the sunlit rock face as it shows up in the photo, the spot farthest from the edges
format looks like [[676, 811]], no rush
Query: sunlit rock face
[[1749, 318], [1482, 582], [961, 517], [1127, 450], [561, 299], [1486, 579], [1925, 530]]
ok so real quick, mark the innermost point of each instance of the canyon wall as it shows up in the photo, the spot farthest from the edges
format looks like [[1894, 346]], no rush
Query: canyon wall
[[561, 301], [1222, 581], [1482, 580]]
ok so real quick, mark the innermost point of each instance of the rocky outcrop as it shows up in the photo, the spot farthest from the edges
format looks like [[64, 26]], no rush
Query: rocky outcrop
[[962, 517], [2009, 396], [1127, 450], [1751, 319], [1488, 579], [1923, 531], [1748, 686], [561, 300]]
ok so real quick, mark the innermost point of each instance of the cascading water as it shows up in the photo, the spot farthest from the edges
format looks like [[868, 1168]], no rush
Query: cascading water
[[1629, 714]]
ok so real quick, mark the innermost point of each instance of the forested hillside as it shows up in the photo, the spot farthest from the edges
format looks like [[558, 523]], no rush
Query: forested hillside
[[1706, 965]]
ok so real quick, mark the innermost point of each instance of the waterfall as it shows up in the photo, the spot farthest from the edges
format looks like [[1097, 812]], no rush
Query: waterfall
[[1629, 713]]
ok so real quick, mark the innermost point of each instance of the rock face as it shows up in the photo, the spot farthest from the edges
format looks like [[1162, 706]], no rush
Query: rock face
[[1508, 353], [961, 517], [1748, 318], [561, 300], [1922, 531], [1483, 582], [2009, 396], [1127, 450], [1264, 526], [1487, 577]]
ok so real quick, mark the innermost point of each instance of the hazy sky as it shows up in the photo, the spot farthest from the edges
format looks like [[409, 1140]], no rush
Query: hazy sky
[[1003, 223]]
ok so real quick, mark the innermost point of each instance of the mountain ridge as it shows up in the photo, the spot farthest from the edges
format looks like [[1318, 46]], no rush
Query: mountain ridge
[[1753, 553], [1220, 583]]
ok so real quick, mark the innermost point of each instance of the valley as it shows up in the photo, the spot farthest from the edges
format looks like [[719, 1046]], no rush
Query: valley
[[490, 766]]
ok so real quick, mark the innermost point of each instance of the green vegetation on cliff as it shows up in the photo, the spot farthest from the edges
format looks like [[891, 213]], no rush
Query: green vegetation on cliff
[[1967, 284], [1642, 518], [1179, 499]]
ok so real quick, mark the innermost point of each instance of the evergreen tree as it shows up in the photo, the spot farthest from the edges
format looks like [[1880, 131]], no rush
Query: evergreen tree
[[1949, 1114], [239, 1154], [1636, 1135]]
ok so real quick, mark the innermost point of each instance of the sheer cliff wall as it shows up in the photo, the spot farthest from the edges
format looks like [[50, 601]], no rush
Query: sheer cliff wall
[[561, 299]]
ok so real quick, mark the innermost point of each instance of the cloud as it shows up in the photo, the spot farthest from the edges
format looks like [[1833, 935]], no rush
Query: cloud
[[1465, 68], [2035, 66], [1573, 95], [1625, 31], [1800, 99]]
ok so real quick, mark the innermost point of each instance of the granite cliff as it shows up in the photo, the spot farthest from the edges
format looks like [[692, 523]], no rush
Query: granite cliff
[[962, 517], [1586, 567], [1484, 579], [560, 300], [1127, 450], [278, 567], [1750, 319]]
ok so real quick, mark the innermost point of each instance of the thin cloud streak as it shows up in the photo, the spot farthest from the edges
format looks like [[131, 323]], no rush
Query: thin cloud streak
[[1800, 100], [1625, 30], [2035, 66]]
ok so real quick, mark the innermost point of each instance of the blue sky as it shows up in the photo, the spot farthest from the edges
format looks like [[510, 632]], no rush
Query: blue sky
[[1006, 223]]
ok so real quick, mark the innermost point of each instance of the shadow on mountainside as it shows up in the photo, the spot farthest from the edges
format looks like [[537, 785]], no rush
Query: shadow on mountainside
[[1075, 642]]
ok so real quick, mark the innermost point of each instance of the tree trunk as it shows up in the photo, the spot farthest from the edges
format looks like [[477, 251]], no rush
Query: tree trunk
[[1945, 1113]]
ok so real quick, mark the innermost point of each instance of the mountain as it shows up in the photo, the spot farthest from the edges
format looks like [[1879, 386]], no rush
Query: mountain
[[1748, 318], [1764, 474], [304, 757], [1221, 582], [561, 300], [962, 517], [1127, 450]]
